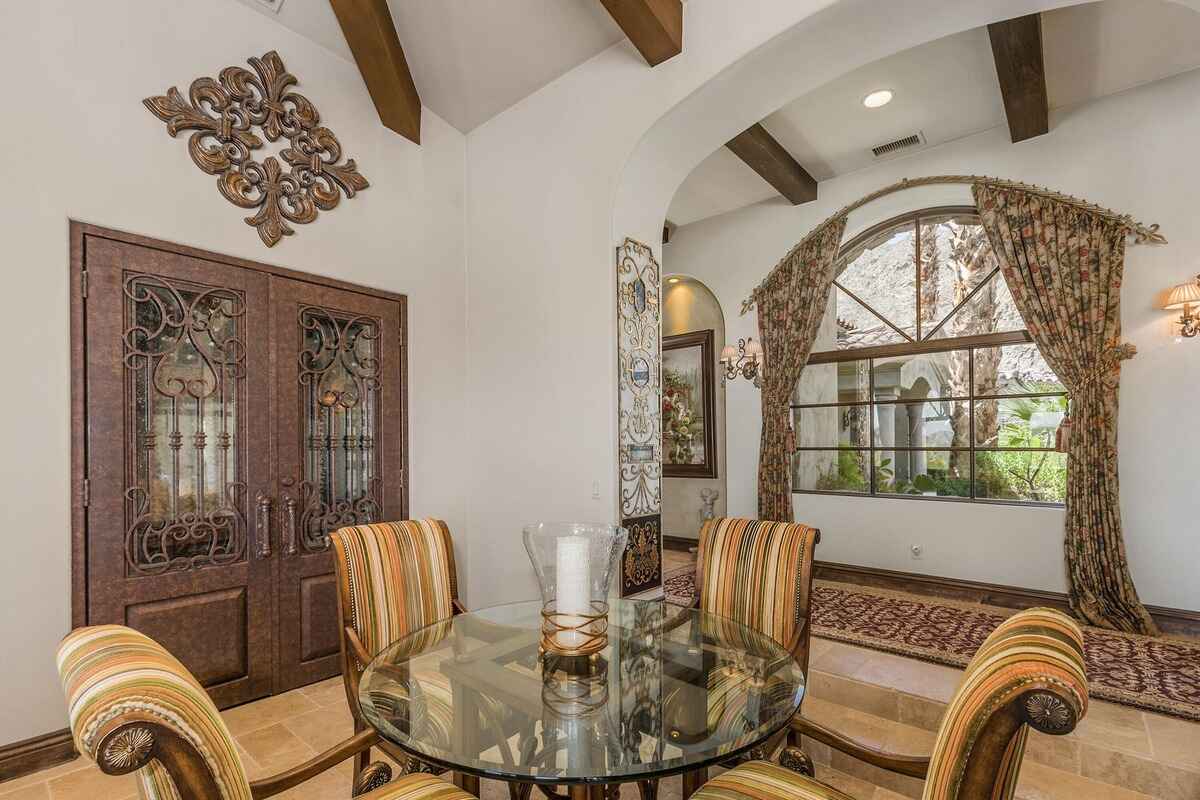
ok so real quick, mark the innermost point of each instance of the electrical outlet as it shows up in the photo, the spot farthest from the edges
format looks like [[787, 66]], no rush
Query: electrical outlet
[[916, 550], [595, 490]]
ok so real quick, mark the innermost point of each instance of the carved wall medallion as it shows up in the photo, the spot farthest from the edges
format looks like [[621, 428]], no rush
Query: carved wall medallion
[[224, 113]]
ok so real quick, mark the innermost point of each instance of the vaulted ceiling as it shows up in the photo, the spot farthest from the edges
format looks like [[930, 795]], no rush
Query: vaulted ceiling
[[948, 89], [471, 59]]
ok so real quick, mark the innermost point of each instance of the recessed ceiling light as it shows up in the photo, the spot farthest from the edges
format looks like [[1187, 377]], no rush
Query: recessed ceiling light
[[878, 99]]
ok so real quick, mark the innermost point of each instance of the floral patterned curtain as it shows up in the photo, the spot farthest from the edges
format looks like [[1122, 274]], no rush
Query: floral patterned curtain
[[791, 303], [1063, 265]]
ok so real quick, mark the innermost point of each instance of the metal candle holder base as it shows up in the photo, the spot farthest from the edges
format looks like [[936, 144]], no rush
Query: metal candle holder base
[[574, 634]]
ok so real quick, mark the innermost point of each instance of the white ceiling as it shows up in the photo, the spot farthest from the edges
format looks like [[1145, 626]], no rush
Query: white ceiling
[[948, 89], [471, 59]]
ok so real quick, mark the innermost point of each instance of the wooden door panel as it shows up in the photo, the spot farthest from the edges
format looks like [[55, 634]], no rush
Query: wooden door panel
[[339, 450], [177, 363], [208, 629], [318, 628]]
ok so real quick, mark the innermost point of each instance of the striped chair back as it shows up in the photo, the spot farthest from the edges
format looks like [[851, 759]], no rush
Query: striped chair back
[[126, 695], [394, 577], [757, 573], [1029, 671]]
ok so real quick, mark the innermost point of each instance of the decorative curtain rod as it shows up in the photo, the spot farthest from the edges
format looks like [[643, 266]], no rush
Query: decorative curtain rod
[[1142, 233]]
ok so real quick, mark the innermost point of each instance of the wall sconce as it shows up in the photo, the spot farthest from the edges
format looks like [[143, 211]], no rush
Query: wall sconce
[[745, 359], [1185, 296]]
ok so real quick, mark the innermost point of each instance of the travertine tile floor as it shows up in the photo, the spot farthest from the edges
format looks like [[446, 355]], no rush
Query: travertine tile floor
[[1117, 753]]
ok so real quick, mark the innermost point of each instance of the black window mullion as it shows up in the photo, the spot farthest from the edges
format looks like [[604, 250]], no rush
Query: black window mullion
[[971, 418], [871, 425], [917, 265]]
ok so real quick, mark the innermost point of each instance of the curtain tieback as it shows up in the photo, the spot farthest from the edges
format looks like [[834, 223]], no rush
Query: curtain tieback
[[1110, 362]]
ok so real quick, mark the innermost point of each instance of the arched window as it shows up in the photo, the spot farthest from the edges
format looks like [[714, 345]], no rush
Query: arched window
[[923, 381]]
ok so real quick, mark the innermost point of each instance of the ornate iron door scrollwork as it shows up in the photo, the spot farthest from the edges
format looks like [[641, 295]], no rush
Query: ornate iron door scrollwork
[[339, 379], [184, 358]]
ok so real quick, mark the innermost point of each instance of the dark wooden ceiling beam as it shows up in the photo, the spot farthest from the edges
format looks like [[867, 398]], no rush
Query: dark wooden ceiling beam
[[769, 159], [371, 34], [1021, 68], [654, 26]]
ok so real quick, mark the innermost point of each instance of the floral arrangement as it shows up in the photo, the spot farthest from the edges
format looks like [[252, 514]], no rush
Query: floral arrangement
[[680, 425]]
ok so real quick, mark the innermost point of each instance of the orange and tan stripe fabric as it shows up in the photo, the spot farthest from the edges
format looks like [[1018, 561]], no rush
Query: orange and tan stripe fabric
[[753, 571], [112, 674], [417, 787], [761, 780], [1035, 649], [400, 577]]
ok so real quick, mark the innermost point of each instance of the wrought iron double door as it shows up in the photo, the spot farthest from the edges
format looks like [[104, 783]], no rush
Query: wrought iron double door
[[233, 417]]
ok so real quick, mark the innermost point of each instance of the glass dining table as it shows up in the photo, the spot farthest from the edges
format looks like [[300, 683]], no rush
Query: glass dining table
[[674, 691]]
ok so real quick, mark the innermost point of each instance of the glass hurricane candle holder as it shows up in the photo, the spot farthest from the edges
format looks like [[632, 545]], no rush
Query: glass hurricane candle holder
[[574, 562]]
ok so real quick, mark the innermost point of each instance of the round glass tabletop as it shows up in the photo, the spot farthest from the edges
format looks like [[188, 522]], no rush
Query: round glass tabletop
[[674, 689]]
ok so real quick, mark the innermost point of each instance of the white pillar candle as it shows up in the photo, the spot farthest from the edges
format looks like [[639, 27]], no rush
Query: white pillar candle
[[573, 592]]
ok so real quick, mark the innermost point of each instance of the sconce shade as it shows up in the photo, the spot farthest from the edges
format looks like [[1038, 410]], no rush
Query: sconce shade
[[1183, 295], [728, 354], [754, 350]]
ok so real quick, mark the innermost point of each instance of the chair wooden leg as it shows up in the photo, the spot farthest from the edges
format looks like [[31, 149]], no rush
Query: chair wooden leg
[[648, 789], [693, 780], [363, 759]]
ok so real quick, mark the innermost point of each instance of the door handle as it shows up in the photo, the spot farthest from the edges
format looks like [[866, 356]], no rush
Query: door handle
[[263, 525], [290, 546]]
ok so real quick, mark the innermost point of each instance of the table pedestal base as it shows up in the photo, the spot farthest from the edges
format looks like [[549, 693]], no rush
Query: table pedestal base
[[468, 783], [693, 780]]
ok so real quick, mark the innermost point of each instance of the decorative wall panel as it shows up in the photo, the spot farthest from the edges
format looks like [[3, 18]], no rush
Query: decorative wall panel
[[639, 412], [224, 112]]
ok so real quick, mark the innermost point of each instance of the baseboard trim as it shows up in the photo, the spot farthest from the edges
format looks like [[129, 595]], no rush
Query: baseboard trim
[[680, 543], [31, 755], [1174, 621]]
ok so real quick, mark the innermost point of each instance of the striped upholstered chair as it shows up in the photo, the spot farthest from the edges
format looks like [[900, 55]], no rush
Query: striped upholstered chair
[[1028, 674], [134, 707], [393, 578], [759, 573]]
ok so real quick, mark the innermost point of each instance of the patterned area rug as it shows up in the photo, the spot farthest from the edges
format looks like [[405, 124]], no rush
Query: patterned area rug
[[1156, 674]]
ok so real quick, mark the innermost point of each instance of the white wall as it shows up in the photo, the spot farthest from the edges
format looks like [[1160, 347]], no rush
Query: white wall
[[79, 145], [542, 178], [1132, 152]]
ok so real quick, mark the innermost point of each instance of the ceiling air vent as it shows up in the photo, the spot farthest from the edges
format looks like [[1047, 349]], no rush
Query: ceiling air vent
[[886, 149]]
